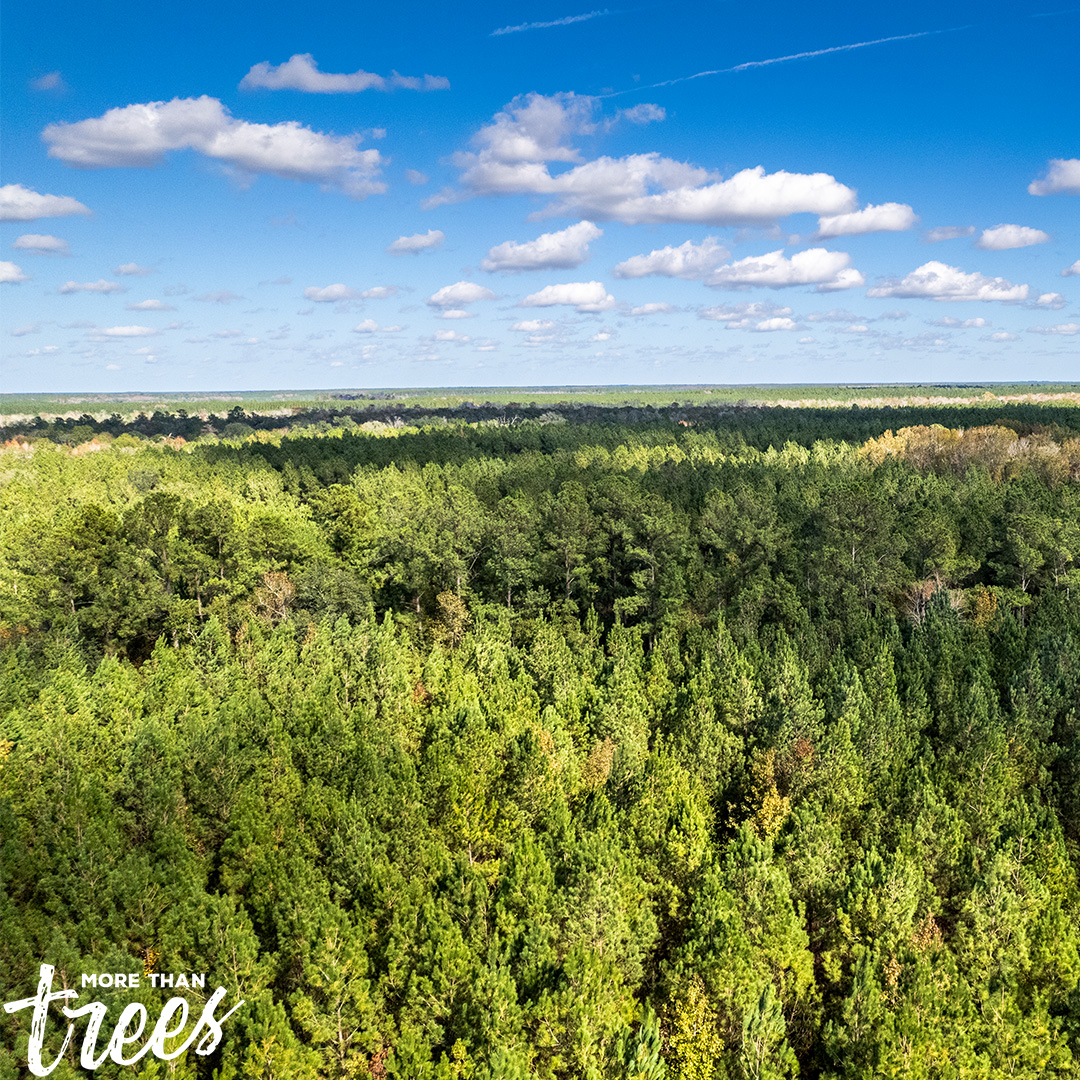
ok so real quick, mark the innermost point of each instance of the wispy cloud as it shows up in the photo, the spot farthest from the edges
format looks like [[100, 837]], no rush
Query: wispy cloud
[[793, 56], [567, 21]]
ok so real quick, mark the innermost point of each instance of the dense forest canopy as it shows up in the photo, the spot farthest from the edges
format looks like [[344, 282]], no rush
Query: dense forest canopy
[[684, 742]]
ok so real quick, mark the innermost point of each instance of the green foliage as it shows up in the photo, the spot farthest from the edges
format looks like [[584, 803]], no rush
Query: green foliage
[[608, 749]]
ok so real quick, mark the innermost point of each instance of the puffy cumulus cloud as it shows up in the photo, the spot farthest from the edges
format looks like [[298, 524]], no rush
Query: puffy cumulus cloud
[[1063, 329], [888, 217], [533, 326], [949, 232], [830, 271], [138, 136], [38, 244], [603, 335], [587, 297], [960, 324], [1005, 237], [688, 260], [750, 197], [1062, 178], [10, 274], [451, 335], [936, 281], [457, 313], [370, 326], [222, 296], [652, 309], [132, 270], [459, 294], [18, 203], [1000, 335], [99, 286], [745, 316], [1053, 300], [1072, 271], [775, 323], [300, 72], [562, 250], [416, 177], [330, 294], [379, 292], [856, 328], [512, 153], [150, 305], [410, 245]]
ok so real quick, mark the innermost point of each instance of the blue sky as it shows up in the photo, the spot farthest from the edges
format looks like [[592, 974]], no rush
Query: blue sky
[[210, 196]]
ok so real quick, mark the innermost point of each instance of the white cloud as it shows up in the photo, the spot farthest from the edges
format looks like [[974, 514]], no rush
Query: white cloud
[[132, 270], [10, 274], [1065, 329], [457, 313], [18, 203], [379, 292], [567, 20], [587, 296], [829, 270], [857, 328], [1052, 300], [300, 72], [552, 251], [53, 80], [1062, 178], [688, 260], [1001, 335], [41, 244], [461, 292], [888, 217], [960, 324], [743, 316], [370, 326], [936, 281], [775, 323], [410, 245], [1005, 237], [513, 152], [652, 309], [150, 305], [99, 286], [329, 294], [26, 328], [806, 341], [949, 232], [138, 136], [1072, 271], [451, 335], [645, 113], [125, 332], [416, 178], [533, 326]]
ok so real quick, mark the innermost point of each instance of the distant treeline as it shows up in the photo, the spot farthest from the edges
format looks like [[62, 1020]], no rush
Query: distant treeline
[[751, 425]]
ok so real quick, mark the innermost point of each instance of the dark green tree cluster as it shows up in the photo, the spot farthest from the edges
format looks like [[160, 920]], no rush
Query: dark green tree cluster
[[576, 752]]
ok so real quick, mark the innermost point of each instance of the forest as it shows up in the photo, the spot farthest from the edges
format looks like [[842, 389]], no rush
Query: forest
[[592, 743]]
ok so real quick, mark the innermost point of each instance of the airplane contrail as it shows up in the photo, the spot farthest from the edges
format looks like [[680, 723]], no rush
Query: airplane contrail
[[793, 56]]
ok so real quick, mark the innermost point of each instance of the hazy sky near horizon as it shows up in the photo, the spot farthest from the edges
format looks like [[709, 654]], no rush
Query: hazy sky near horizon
[[218, 196]]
